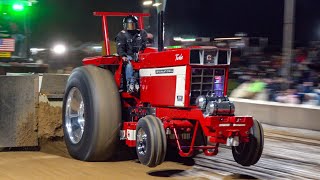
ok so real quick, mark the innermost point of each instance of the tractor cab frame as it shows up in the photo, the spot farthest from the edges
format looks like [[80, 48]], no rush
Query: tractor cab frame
[[181, 105]]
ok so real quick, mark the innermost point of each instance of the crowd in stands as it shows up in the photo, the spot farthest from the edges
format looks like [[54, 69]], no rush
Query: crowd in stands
[[261, 77]]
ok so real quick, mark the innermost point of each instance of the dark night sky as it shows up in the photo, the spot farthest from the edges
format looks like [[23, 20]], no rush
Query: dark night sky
[[225, 18], [72, 20]]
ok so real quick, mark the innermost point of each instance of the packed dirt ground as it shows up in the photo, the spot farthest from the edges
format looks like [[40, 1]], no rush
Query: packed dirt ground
[[288, 154], [282, 159], [53, 162], [39, 165]]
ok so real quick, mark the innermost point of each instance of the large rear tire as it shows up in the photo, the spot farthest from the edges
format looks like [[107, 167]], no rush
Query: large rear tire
[[151, 139], [248, 154], [91, 114]]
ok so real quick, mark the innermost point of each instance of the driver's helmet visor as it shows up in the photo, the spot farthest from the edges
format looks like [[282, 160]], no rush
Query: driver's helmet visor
[[131, 26]]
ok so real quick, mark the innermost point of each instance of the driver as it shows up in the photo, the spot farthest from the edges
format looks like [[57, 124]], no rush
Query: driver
[[129, 42]]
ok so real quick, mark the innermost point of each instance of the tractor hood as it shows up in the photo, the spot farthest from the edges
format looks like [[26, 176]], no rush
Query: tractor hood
[[197, 55]]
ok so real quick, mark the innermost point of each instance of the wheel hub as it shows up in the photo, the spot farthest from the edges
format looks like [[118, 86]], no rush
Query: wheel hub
[[142, 142], [74, 115]]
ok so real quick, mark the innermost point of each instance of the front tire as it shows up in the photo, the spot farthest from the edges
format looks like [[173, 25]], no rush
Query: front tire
[[91, 114], [151, 139], [249, 153]]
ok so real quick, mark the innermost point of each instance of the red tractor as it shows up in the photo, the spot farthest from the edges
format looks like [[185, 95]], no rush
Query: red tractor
[[181, 105]]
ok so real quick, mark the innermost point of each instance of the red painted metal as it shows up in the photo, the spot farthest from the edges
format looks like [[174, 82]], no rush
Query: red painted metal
[[141, 22], [202, 147], [102, 60], [105, 29], [118, 75], [165, 58], [130, 126], [207, 151], [190, 152], [150, 50], [181, 124], [159, 92], [121, 14], [213, 126], [226, 80], [188, 85]]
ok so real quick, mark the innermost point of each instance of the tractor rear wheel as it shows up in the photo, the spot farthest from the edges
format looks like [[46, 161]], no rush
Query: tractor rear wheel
[[151, 141], [249, 153], [91, 114]]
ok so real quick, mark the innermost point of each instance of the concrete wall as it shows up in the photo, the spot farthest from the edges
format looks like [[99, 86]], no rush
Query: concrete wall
[[18, 101], [53, 85], [279, 114], [24, 119]]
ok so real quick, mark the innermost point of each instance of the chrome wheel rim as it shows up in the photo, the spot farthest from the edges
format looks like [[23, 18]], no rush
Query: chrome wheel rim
[[74, 115], [142, 142]]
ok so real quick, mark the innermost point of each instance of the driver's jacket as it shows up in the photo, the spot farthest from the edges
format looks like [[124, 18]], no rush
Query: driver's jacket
[[128, 44]]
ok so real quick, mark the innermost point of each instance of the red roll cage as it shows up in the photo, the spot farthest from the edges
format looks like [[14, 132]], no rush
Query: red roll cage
[[105, 28]]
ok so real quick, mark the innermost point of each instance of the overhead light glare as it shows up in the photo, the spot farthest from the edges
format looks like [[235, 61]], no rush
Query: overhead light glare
[[156, 4], [147, 3]]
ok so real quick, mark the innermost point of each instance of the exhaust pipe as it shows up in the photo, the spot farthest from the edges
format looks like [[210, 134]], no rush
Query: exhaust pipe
[[160, 31]]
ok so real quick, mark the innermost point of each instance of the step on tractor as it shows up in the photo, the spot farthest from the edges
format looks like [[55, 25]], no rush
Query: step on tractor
[[181, 106]]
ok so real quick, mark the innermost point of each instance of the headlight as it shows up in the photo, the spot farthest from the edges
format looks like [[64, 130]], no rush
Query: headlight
[[201, 102], [211, 108], [59, 49]]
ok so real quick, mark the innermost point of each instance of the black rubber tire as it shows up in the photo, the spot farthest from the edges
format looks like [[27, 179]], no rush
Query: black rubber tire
[[102, 113], [248, 154], [156, 141]]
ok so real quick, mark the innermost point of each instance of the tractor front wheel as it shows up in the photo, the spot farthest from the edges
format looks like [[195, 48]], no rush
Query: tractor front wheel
[[151, 142], [249, 153]]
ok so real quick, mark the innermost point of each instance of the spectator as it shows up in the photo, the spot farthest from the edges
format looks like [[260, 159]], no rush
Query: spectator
[[311, 99], [317, 91], [289, 96], [17, 33], [304, 79]]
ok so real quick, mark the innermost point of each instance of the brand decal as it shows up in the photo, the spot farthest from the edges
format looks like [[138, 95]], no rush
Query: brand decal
[[164, 71], [179, 57], [209, 57], [179, 98]]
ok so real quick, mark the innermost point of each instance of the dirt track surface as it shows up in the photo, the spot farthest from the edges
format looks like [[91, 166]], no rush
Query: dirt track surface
[[38, 165], [284, 157], [54, 163]]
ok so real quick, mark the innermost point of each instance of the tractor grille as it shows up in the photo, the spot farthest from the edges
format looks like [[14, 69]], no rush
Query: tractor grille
[[204, 80]]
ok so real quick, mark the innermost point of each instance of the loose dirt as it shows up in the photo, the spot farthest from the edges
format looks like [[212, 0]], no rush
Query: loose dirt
[[50, 130], [26, 131], [49, 121]]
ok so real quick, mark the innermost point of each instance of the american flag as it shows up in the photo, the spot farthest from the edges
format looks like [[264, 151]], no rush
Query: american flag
[[7, 45]]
